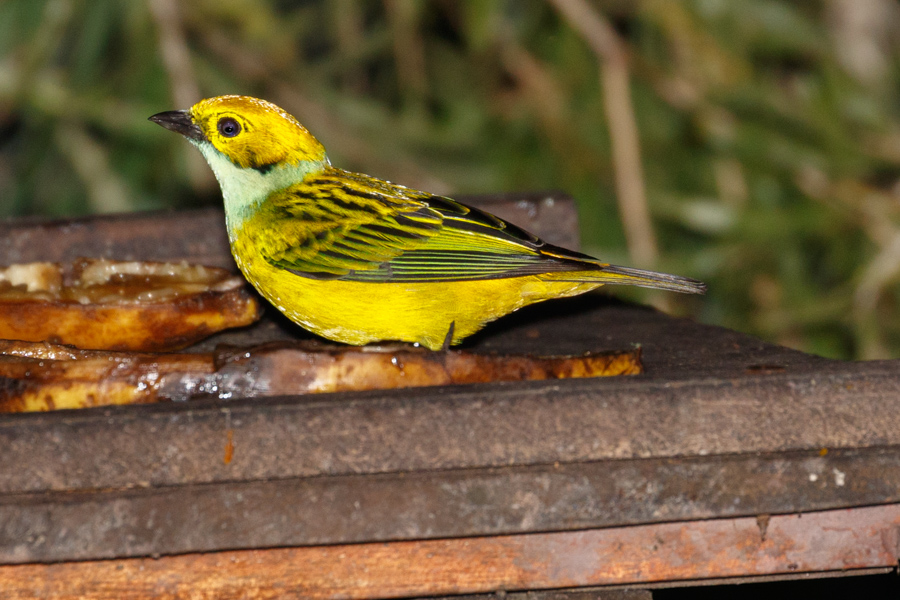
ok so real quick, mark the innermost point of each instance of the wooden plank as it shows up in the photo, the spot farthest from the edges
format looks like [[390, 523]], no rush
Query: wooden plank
[[485, 425], [438, 504], [195, 235], [708, 392], [826, 541]]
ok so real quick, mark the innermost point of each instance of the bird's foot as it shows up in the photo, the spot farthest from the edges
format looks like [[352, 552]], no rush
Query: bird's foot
[[449, 337]]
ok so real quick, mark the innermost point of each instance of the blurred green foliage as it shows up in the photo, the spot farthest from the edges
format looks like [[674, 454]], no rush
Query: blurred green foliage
[[769, 130]]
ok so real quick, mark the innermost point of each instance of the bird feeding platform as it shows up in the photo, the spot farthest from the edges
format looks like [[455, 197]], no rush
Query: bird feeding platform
[[728, 460]]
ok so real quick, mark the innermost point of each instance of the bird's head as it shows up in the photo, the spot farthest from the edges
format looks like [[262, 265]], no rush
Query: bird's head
[[254, 148], [250, 132]]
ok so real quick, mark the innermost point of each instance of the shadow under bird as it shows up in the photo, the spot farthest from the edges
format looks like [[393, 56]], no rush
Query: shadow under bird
[[357, 259]]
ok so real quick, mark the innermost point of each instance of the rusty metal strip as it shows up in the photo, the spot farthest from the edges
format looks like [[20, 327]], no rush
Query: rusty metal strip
[[443, 428], [826, 541], [470, 502], [577, 594]]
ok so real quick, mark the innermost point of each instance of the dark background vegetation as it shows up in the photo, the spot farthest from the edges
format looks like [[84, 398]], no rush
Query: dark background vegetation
[[754, 144]]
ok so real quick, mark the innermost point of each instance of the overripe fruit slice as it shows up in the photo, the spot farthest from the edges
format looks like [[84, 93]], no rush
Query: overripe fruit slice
[[42, 376], [121, 305]]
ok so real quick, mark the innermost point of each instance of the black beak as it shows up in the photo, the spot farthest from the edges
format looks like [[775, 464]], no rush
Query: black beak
[[179, 121]]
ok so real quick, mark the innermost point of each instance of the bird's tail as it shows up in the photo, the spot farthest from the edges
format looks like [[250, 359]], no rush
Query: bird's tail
[[612, 274]]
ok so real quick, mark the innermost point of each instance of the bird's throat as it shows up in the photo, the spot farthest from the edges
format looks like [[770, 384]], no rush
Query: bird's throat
[[243, 189]]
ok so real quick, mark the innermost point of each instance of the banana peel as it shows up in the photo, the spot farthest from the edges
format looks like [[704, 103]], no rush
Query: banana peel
[[46, 376], [121, 305]]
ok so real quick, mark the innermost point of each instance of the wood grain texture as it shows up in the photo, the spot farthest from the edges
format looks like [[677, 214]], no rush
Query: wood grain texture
[[718, 416], [313, 511], [826, 541], [479, 425]]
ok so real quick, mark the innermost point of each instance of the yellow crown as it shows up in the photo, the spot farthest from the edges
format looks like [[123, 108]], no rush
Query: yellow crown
[[254, 133]]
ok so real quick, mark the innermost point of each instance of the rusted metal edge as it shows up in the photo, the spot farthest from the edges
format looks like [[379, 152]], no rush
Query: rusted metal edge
[[428, 505], [476, 426], [576, 594], [645, 590], [860, 538], [696, 583]]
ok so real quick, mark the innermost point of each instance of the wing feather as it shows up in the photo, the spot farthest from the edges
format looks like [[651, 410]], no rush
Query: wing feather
[[354, 227]]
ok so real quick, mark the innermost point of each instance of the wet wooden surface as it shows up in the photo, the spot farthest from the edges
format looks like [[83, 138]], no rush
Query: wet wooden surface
[[703, 463]]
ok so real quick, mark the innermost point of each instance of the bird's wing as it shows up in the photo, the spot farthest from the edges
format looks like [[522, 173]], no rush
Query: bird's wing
[[354, 227]]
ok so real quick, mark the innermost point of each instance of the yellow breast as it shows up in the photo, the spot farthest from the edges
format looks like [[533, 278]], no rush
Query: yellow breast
[[422, 312]]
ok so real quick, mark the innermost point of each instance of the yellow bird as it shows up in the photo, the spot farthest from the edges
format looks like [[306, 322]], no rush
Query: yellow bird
[[357, 259]]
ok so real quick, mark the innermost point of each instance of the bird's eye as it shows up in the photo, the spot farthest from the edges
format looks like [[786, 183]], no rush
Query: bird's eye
[[228, 127]]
